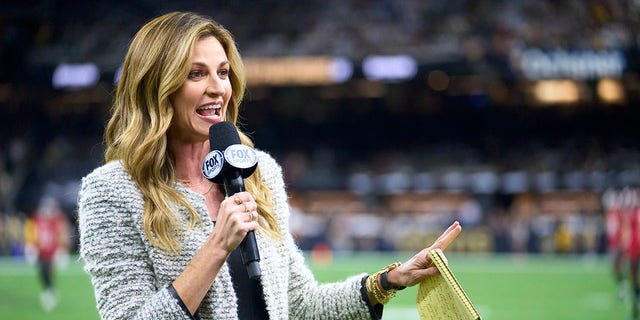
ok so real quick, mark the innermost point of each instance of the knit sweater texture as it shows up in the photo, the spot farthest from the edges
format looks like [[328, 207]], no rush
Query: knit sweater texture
[[131, 277]]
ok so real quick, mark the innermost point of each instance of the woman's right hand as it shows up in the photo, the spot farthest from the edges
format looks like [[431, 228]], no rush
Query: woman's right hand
[[238, 214]]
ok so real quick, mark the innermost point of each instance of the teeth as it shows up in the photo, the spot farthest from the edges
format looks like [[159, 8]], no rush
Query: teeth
[[211, 106]]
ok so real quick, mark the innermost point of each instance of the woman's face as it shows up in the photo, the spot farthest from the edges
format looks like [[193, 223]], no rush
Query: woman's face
[[203, 97]]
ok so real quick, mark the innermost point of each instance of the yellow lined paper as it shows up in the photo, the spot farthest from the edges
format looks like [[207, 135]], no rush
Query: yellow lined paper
[[441, 297]]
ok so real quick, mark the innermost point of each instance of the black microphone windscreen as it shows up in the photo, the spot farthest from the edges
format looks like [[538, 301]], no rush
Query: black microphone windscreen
[[222, 135]]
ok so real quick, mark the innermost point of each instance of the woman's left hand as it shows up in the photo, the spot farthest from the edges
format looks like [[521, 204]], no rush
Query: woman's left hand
[[420, 266]]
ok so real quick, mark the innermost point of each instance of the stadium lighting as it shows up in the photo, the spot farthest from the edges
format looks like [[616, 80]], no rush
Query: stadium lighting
[[556, 91], [340, 69], [320, 70], [389, 68], [610, 91], [117, 75], [75, 76]]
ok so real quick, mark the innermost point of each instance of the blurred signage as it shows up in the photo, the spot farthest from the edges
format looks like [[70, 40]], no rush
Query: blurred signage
[[538, 64]]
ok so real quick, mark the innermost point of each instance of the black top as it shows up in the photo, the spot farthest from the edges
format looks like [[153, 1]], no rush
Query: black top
[[251, 304]]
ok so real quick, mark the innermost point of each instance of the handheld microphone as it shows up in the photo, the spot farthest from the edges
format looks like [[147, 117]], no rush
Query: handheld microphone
[[229, 162]]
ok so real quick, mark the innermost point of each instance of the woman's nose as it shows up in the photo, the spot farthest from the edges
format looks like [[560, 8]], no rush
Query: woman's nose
[[215, 87]]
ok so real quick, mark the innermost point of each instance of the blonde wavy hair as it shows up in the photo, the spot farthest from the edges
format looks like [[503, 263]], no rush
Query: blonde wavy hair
[[156, 65]]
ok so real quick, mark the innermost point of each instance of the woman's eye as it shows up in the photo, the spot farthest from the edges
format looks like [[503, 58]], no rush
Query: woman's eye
[[196, 74], [223, 73]]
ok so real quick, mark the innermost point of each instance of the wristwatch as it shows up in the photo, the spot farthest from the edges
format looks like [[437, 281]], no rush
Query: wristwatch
[[384, 282]]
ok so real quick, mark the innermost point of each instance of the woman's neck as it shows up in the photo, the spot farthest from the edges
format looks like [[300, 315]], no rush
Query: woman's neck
[[188, 161]]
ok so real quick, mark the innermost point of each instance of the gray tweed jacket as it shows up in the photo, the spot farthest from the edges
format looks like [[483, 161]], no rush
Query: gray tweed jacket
[[131, 277]]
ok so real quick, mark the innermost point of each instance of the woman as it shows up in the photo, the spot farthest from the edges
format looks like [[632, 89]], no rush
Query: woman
[[159, 240]]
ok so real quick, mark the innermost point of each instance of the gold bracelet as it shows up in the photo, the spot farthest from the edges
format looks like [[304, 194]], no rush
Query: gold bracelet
[[378, 294], [374, 286]]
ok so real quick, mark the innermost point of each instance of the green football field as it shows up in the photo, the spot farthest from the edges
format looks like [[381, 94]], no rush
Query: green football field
[[501, 287]]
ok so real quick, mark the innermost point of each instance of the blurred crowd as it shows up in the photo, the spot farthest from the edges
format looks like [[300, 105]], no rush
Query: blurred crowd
[[390, 202], [49, 32], [364, 174], [554, 223]]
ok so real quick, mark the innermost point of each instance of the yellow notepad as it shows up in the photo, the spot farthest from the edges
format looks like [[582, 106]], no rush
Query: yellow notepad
[[441, 297]]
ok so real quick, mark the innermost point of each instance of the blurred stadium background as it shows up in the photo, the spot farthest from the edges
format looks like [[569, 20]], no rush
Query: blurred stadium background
[[390, 118]]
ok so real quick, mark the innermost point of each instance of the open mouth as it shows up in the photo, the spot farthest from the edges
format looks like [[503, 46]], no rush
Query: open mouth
[[209, 110]]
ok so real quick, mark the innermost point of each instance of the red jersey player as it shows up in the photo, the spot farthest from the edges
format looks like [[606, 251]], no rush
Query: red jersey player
[[51, 238], [613, 223], [630, 213]]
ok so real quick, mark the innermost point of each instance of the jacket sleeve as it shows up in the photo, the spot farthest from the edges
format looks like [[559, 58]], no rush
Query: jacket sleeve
[[115, 254], [312, 300], [309, 299]]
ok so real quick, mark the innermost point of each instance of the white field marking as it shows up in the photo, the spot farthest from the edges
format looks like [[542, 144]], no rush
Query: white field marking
[[407, 313], [404, 313]]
